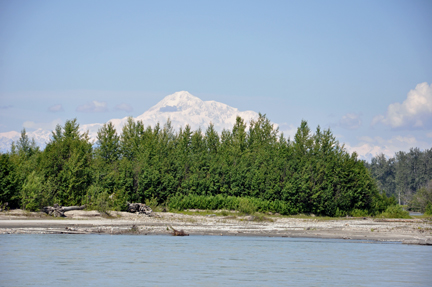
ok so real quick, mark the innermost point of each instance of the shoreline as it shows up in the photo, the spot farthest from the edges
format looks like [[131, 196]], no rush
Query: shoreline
[[415, 231]]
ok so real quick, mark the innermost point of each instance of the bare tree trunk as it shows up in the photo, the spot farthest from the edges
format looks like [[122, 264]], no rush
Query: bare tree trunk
[[58, 211], [399, 197]]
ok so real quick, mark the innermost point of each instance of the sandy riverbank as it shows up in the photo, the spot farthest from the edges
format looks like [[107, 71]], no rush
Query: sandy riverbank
[[415, 231]]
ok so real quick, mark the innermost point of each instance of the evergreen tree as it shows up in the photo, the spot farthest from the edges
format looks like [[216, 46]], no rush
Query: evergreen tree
[[108, 143], [8, 187], [24, 146], [66, 164]]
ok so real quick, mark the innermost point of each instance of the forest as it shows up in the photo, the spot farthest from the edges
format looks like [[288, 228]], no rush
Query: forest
[[251, 167], [406, 176]]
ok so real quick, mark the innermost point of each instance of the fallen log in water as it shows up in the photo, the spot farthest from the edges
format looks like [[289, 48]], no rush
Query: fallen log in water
[[178, 232], [58, 211], [141, 208]]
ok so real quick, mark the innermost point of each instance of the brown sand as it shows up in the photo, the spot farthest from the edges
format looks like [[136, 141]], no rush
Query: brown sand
[[414, 231]]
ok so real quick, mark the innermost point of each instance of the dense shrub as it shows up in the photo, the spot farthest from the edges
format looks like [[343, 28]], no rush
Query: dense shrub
[[244, 205], [395, 211], [359, 213]]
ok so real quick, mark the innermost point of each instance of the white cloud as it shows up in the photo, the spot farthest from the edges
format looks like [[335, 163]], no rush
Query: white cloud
[[369, 147], [124, 107], [414, 112], [289, 130], [350, 121], [93, 107], [56, 108], [45, 126]]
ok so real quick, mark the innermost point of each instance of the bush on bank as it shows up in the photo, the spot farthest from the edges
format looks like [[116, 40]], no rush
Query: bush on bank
[[242, 204], [395, 211]]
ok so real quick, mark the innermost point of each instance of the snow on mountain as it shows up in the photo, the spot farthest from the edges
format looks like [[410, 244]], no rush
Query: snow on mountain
[[40, 136], [6, 140], [181, 108]]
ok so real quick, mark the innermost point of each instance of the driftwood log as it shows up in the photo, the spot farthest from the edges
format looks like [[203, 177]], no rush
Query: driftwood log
[[141, 208], [58, 211], [178, 232]]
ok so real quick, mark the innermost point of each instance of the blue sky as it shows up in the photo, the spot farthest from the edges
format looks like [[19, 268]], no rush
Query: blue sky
[[339, 64]]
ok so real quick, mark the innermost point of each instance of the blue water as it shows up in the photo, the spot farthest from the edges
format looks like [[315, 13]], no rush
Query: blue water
[[104, 260]]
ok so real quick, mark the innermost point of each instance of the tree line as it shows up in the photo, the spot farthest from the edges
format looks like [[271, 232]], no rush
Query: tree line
[[250, 166], [406, 176]]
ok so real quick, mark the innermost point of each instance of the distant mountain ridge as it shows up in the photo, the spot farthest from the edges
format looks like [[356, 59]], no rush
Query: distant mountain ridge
[[181, 108], [40, 136]]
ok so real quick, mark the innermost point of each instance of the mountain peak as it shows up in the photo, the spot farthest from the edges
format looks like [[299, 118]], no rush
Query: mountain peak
[[181, 95], [181, 108], [178, 101]]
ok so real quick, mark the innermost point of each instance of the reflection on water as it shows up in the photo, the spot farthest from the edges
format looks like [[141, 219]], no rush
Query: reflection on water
[[73, 260]]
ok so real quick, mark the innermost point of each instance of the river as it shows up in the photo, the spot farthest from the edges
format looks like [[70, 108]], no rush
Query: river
[[105, 260]]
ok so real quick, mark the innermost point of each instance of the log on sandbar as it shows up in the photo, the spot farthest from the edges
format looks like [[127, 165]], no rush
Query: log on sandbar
[[141, 208], [58, 210]]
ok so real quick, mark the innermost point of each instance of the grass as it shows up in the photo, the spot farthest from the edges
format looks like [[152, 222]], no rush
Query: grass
[[395, 211], [257, 216], [208, 212], [260, 217], [134, 229], [106, 214], [423, 216], [155, 206], [27, 214], [245, 205], [319, 218], [228, 214], [391, 212]]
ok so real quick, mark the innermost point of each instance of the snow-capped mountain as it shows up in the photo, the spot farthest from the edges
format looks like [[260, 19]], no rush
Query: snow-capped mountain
[[181, 108], [40, 136]]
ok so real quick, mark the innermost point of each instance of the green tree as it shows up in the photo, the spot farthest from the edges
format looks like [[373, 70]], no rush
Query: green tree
[[66, 164], [24, 159], [25, 146], [383, 170], [8, 186], [131, 137], [422, 198], [108, 143]]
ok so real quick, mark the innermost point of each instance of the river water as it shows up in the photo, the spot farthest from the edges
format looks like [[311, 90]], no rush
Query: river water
[[105, 260]]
